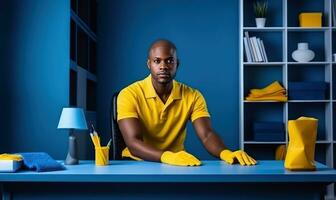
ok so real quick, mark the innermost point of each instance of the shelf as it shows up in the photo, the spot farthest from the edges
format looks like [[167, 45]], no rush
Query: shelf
[[281, 37], [246, 101], [259, 142], [323, 142], [308, 63], [263, 63], [264, 29], [308, 28], [309, 101]]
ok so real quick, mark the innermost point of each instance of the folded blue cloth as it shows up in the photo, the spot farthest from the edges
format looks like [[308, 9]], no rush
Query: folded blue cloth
[[41, 162]]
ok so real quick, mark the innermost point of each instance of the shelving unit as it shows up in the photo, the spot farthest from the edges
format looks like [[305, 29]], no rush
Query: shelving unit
[[83, 57], [83, 64], [280, 37]]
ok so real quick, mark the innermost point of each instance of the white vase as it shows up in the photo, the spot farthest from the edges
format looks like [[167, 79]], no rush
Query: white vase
[[260, 22], [303, 54]]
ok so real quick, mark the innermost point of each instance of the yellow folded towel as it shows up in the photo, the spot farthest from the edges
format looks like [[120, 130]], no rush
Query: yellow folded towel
[[272, 92], [270, 89], [270, 98], [278, 93]]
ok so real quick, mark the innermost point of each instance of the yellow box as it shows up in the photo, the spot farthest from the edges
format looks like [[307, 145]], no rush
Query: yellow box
[[102, 155], [313, 19]]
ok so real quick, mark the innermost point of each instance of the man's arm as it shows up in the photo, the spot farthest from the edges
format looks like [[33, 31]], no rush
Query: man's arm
[[215, 145], [131, 131], [208, 137]]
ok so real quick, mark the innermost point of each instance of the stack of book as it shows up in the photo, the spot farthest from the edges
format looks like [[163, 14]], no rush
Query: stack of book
[[268, 131], [254, 49]]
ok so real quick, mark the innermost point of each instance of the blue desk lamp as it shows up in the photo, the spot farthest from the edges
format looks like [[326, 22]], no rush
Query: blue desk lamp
[[72, 118]]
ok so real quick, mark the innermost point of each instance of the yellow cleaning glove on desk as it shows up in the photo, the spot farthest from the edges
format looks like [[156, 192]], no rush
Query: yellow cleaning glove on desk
[[180, 158], [127, 154], [272, 92], [242, 157], [6, 156]]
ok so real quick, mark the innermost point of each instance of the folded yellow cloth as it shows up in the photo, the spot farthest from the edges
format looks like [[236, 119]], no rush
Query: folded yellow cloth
[[127, 154], [6, 156], [280, 92], [270, 98], [270, 89], [272, 92]]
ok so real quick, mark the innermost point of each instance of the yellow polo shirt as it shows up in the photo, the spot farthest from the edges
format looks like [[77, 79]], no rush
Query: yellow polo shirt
[[164, 125]]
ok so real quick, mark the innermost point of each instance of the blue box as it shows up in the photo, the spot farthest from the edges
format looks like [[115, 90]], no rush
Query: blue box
[[268, 131], [307, 90]]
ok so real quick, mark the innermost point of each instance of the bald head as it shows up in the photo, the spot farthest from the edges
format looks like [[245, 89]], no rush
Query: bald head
[[162, 43]]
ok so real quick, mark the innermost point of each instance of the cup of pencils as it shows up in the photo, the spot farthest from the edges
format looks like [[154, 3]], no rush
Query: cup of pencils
[[101, 152]]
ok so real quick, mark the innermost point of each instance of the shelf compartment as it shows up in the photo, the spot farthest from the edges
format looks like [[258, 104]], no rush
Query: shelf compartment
[[261, 151], [92, 57], [316, 110], [274, 14], [72, 40], [315, 42], [310, 73], [73, 88], [82, 48], [333, 44], [272, 43], [83, 10], [294, 8], [260, 112], [320, 153], [334, 122], [261, 76], [334, 84], [91, 89]]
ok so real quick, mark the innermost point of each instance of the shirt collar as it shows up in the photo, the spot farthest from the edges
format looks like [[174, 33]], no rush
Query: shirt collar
[[151, 93]]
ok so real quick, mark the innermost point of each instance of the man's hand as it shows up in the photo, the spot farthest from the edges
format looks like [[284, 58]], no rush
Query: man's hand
[[180, 158], [242, 157]]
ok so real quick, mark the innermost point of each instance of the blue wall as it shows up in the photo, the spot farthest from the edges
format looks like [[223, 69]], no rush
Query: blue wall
[[34, 75], [206, 35]]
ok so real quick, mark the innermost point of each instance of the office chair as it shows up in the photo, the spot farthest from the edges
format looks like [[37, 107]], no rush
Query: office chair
[[118, 143]]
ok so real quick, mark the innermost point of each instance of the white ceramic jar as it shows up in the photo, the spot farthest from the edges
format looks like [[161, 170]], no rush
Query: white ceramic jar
[[303, 53]]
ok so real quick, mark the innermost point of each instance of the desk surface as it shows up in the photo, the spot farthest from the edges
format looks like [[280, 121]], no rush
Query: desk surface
[[210, 171]]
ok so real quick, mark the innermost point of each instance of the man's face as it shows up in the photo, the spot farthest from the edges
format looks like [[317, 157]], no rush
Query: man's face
[[162, 63]]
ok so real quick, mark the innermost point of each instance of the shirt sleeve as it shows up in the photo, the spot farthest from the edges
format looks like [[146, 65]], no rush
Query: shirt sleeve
[[199, 107], [126, 105]]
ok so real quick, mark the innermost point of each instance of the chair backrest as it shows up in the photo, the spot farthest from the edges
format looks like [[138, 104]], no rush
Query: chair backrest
[[118, 143]]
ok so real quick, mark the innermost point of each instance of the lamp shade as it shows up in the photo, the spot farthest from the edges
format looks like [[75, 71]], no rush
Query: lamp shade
[[72, 118]]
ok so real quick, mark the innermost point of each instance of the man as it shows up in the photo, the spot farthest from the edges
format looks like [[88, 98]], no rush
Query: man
[[153, 113]]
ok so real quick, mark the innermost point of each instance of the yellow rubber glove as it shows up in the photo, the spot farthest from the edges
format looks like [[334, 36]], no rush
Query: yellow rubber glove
[[242, 157], [6, 156], [180, 158], [127, 154]]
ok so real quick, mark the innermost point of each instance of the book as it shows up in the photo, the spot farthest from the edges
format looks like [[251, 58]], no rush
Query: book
[[250, 46], [261, 50], [264, 51], [257, 50], [247, 51], [9, 165]]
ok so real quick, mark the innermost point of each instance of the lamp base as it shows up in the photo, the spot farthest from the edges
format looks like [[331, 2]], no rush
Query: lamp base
[[71, 158]]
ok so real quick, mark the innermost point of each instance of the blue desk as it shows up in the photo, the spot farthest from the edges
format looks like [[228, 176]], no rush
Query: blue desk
[[149, 180]]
